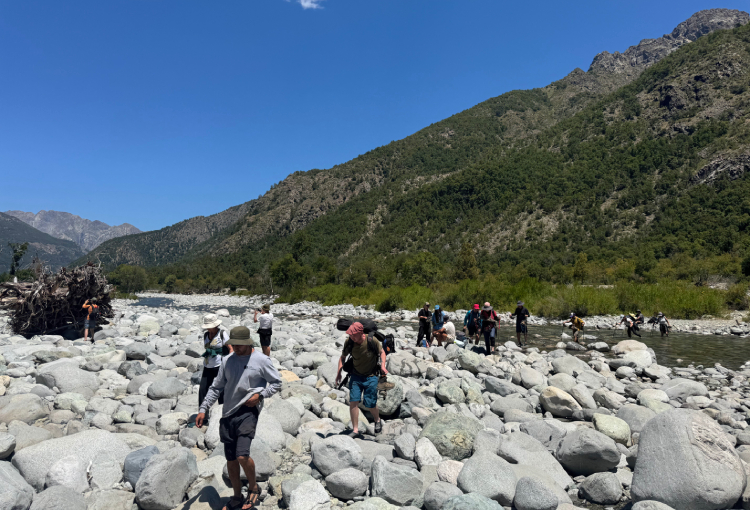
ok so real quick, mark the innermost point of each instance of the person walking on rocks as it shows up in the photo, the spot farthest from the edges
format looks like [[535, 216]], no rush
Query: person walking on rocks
[[265, 327], [473, 323], [576, 324], [489, 328], [438, 324], [216, 343], [424, 324], [663, 324], [247, 379], [521, 314], [367, 363], [92, 316]]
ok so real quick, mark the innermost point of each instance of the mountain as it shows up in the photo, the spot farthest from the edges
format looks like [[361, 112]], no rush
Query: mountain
[[55, 252], [85, 233], [546, 172]]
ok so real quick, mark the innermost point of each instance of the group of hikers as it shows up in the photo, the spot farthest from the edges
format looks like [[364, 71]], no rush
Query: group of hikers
[[633, 321]]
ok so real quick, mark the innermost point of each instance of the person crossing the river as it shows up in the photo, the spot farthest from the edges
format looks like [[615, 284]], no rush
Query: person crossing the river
[[663, 324], [629, 321], [576, 324], [521, 313], [489, 328]]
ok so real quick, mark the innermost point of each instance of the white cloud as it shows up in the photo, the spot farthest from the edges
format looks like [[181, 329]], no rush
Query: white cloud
[[310, 4]]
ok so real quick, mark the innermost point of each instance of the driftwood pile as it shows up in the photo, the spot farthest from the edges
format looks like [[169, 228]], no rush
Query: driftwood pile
[[53, 302]]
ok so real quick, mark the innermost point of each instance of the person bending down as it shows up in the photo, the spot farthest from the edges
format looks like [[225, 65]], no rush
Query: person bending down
[[576, 324], [247, 378]]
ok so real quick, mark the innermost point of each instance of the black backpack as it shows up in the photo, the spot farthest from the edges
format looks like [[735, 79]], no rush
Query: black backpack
[[94, 314], [369, 325], [389, 344]]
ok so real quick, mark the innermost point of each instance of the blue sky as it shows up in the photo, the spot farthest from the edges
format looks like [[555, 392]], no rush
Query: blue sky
[[151, 112]]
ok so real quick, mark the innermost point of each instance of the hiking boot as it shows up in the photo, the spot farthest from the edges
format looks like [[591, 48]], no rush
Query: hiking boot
[[384, 385], [379, 427]]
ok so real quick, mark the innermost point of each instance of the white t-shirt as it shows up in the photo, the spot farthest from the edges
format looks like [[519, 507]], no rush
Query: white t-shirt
[[450, 329], [221, 339], [265, 320]]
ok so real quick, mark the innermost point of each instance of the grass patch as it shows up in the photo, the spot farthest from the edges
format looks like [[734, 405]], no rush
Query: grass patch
[[125, 295]]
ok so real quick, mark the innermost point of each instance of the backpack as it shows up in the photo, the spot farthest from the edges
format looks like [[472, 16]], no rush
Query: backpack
[[372, 346], [368, 324], [94, 314], [389, 344]]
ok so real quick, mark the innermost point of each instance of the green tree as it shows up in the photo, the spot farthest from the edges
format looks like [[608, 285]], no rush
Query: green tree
[[288, 273], [19, 250], [466, 264], [169, 283], [129, 278], [746, 266], [580, 268], [422, 268]]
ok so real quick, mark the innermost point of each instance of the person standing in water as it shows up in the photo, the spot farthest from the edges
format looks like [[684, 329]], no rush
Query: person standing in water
[[489, 328], [576, 324], [663, 324], [521, 314]]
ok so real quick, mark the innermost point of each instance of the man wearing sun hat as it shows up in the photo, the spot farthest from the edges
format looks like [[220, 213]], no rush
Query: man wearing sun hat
[[247, 378], [215, 342]]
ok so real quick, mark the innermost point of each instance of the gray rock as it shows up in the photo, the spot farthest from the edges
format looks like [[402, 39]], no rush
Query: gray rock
[[335, 453], [138, 351], [347, 484], [502, 404], [15, 493], [490, 476], [309, 495], [558, 402], [70, 472], [110, 500], [586, 451], [270, 431], [171, 387], [34, 462], [547, 432], [449, 393], [438, 493], [191, 437], [522, 449], [7, 445], [27, 435], [136, 461], [58, 497], [470, 361], [396, 484], [601, 488], [635, 416], [390, 402], [405, 445], [651, 505], [530, 377], [686, 461], [500, 386], [26, 407], [452, 434], [372, 449], [570, 365], [105, 472], [165, 479], [285, 413], [473, 501], [425, 453], [531, 494], [612, 427], [130, 369], [551, 486], [67, 377], [680, 389]]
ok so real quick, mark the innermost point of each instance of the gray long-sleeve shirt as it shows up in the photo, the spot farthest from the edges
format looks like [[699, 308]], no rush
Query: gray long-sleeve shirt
[[241, 377]]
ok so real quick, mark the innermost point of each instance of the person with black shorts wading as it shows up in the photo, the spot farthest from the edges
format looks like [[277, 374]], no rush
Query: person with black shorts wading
[[247, 379], [216, 343], [663, 324], [367, 363], [576, 324], [489, 328], [639, 320], [629, 321], [521, 314], [92, 316], [424, 324], [264, 328], [473, 323]]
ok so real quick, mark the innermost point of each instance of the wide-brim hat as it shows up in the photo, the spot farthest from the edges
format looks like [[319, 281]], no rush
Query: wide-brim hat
[[486, 308], [266, 307], [241, 336], [211, 320], [520, 303]]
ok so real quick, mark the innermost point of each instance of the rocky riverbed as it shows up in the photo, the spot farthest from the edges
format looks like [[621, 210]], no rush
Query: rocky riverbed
[[110, 425]]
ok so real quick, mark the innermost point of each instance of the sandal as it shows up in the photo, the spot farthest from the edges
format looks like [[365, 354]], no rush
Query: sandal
[[379, 427], [253, 498], [235, 503]]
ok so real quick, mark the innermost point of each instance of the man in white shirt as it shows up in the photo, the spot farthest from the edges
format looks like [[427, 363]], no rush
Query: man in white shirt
[[265, 327]]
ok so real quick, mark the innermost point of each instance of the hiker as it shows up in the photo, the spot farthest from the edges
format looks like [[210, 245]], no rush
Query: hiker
[[447, 334], [368, 362], [576, 324], [638, 320], [489, 328], [217, 346], [92, 316], [521, 314], [424, 324], [438, 324], [247, 378], [264, 329], [473, 324], [629, 321], [663, 324]]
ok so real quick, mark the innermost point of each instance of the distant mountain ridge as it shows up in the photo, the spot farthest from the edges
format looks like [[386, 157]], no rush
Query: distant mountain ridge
[[85, 233], [53, 251]]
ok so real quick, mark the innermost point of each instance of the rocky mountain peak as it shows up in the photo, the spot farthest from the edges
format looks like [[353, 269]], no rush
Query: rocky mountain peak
[[649, 51]]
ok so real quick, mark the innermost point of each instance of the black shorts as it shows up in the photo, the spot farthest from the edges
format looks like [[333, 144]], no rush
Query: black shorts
[[663, 328], [521, 328], [472, 329], [89, 324], [238, 431], [265, 337]]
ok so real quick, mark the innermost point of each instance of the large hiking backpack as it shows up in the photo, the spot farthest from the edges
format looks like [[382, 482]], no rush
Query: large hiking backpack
[[94, 314], [389, 344], [368, 324]]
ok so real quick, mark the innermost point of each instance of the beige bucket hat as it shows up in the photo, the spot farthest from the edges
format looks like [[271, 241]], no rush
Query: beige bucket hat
[[211, 320]]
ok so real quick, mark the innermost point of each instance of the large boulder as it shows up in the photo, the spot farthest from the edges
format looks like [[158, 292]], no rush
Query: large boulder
[[586, 451], [65, 375], [680, 389], [686, 461], [15, 493], [285, 413], [626, 346], [309, 495], [165, 479], [26, 407], [635, 416], [531, 494], [601, 488], [489, 475], [59, 497], [111, 500], [471, 501], [389, 403], [347, 484], [438, 493], [612, 427], [170, 387], [399, 485], [136, 462], [570, 365], [270, 431], [452, 434], [335, 453], [522, 449], [34, 462], [70, 472], [558, 402]]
